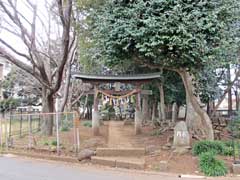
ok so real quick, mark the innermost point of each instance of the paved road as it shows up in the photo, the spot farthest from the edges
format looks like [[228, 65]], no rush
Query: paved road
[[14, 168]]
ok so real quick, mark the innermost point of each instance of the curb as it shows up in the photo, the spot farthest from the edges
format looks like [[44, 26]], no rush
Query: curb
[[76, 161], [45, 157]]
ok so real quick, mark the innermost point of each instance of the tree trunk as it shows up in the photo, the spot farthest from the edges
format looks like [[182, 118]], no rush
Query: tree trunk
[[47, 107], [197, 119], [162, 103], [65, 89]]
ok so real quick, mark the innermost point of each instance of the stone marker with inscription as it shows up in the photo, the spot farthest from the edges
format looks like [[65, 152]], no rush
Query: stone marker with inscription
[[181, 139]]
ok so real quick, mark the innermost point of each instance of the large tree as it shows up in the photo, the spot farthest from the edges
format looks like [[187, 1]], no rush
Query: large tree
[[176, 35], [46, 43]]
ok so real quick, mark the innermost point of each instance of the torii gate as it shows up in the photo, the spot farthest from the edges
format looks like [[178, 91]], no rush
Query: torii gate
[[137, 80]]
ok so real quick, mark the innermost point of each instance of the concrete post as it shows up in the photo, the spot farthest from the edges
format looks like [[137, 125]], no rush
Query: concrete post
[[145, 109], [159, 111], [174, 112], [138, 122], [95, 114], [138, 114], [95, 122]]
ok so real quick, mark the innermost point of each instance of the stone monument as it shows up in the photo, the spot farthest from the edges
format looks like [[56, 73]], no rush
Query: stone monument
[[181, 139]]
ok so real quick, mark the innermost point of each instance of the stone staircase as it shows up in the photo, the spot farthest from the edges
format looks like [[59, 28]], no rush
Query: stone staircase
[[130, 158]]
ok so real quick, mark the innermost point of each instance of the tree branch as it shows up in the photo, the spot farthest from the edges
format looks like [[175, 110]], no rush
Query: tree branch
[[230, 85], [14, 50], [65, 42]]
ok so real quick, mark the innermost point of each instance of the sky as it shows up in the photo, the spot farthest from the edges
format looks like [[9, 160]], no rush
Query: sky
[[22, 7]]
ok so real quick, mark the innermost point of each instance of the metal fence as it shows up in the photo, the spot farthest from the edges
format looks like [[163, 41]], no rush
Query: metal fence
[[234, 132], [24, 131]]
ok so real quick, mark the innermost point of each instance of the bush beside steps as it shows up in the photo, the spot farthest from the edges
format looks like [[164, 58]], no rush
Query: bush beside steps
[[207, 151], [211, 166]]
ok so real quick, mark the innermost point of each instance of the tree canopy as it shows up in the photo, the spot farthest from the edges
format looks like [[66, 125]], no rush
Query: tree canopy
[[171, 33]]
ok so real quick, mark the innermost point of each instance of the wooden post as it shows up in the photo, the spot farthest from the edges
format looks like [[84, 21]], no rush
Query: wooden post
[[95, 113], [138, 114]]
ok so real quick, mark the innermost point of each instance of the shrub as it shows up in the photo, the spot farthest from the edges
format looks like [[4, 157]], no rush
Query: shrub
[[87, 124], [64, 129], [46, 143], [205, 146], [228, 149], [211, 166], [54, 143]]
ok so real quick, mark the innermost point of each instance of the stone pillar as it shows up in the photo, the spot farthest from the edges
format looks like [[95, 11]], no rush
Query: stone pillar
[[159, 111], [174, 112], [138, 113], [145, 108], [95, 114], [138, 122], [95, 122]]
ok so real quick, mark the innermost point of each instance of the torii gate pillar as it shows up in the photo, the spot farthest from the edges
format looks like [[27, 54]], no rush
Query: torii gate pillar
[[95, 114], [138, 113]]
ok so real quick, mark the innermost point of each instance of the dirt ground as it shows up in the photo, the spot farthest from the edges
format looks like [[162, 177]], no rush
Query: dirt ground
[[123, 136], [115, 134]]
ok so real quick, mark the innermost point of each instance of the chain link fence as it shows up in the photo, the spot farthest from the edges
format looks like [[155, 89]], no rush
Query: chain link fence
[[24, 131]]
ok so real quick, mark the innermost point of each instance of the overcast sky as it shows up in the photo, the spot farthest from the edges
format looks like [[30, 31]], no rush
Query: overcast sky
[[22, 7]]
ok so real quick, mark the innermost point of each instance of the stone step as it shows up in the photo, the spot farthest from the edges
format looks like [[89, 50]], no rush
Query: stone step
[[120, 162], [123, 152]]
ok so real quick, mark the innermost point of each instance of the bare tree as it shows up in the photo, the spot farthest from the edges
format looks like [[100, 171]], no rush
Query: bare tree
[[41, 57]]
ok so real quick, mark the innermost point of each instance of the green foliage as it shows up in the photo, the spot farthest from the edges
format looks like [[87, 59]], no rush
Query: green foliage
[[219, 147], [206, 146], [88, 55], [87, 124], [228, 151], [173, 88], [211, 166], [8, 104], [65, 129], [46, 143], [175, 34], [231, 147], [54, 143], [199, 36]]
